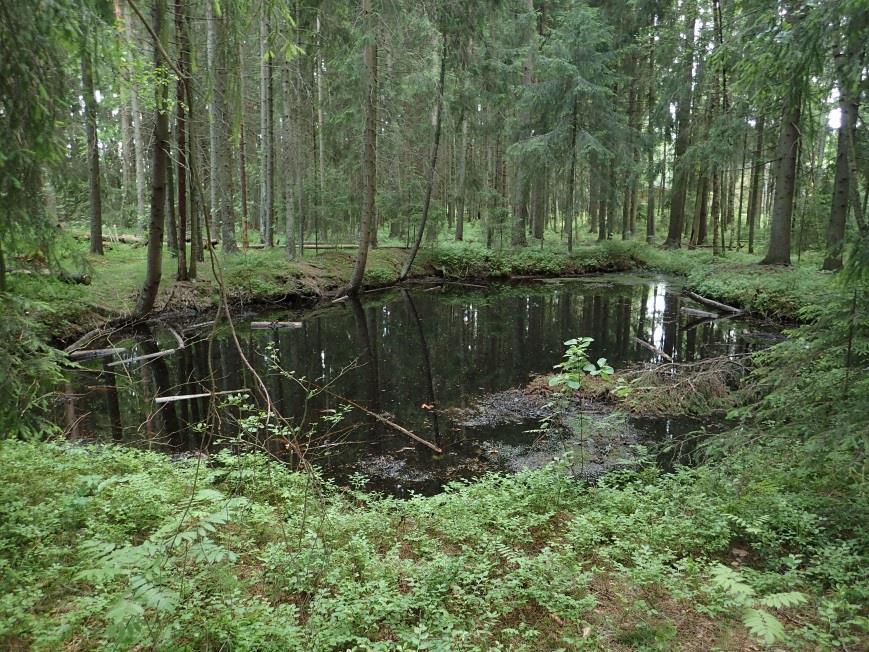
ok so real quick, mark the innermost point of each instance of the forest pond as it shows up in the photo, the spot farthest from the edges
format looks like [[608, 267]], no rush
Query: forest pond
[[445, 362]]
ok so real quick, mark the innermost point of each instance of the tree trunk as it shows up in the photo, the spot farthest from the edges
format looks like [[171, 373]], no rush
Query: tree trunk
[[221, 208], [242, 151], [160, 160], [683, 124], [288, 148], [571, 193], [321, 142], [266, 132], [839, 205], [93, 148], [755, 191], [463, 163], [432, 162], [716, 214], [779, 252], [369, 151], [171, 221], [138, 140], [181, 106], [127, 146]]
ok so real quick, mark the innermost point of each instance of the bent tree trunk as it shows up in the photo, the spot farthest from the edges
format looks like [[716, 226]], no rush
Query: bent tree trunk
[[160, 159], [779, 252], [432, 164], [369, 152]]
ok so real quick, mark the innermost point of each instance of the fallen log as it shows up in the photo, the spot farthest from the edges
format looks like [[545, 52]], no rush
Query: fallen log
[[259, 325], [88, 354], [139, 358], [693, 312], [711, 302], [654, 349], [159, 400]]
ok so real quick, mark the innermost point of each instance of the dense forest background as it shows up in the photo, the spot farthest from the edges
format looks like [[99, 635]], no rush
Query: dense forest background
[[290, 123]]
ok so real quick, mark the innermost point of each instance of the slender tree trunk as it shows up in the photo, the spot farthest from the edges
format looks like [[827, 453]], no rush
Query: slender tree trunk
[[755, 191], [171, 221], [433, 161], [369, 151], [779, 252], [717, 242], [93, 146], [127, 147], [741, 194], [463, 163], [839, 205], [183, 43], [138, 140], [321, 141], [571, 199], [266, 132], [242, 151], [288, 148], [160, 160], [221, 208]]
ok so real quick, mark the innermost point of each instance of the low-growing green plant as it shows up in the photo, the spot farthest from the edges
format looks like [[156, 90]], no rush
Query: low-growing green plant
[[577, 364]]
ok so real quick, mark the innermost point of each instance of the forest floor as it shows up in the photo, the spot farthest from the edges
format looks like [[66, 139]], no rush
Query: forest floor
[[763, 545]]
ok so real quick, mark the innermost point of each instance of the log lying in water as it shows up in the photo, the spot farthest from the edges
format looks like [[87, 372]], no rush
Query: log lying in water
[[275, 324], [89, 354], [159, 400], [139, 358], [693, 312], [711, 302]]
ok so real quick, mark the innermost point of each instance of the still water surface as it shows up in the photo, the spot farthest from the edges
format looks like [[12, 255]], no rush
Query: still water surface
[[417, 357]]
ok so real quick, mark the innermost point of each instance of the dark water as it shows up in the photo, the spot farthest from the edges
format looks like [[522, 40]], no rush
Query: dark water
[[414, 357]]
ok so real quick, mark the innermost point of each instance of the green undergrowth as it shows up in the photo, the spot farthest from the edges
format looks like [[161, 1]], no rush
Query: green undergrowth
[[114, 548]]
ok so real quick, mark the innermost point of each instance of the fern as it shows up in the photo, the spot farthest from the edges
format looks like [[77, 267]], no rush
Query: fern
[[763, 625]]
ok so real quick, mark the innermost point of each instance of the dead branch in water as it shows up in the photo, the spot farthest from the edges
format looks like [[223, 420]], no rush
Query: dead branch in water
[[711, 302], [654, 349]]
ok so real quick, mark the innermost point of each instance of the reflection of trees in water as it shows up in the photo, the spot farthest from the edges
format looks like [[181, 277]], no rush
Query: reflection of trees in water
[[426, 361], [367, 360]]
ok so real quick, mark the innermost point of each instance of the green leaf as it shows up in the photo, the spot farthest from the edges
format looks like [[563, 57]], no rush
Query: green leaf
[[763, 625], [781, 600]]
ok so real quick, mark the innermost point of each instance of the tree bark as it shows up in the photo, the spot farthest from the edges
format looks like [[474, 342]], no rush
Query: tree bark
[[432, 162], [160, 159], [266, 132], [181, 106], [288, 148], [839, 205], [93, 147], [755, 191], [138, 140], [683, 135], [779, 252], [369, 151], [463, 163]]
